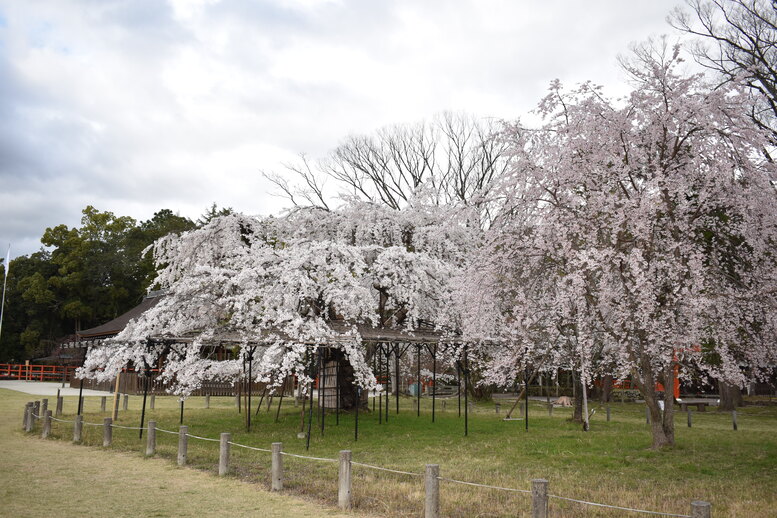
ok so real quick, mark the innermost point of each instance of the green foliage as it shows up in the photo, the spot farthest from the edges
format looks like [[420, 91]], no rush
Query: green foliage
[[86, 276]]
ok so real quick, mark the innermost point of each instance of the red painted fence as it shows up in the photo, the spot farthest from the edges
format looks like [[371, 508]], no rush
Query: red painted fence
[[35, 372]]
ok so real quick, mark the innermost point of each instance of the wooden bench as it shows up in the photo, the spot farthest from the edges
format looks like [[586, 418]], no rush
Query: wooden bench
[[701, 406]]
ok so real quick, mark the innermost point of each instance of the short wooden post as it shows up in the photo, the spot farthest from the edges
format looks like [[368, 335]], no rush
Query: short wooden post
[[27, 417], [183, 444], [78, 426], [497, 407], [207, 400], [126, 402], [103, 402], [46, 425], [224, 454], [608, 413], [44, 407], [688, 413], [734, 419], [700, 509], [344, 480], [36, 410], [153, 401], [432, 488], [107, 431], [60, 403], [277, 466], [151, 439], [539, 498]]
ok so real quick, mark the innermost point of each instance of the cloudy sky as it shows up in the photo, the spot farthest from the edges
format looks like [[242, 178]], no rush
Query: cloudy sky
[[137, 105]]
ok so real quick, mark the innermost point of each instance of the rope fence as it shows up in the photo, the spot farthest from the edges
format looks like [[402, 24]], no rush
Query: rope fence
[[539, 492]]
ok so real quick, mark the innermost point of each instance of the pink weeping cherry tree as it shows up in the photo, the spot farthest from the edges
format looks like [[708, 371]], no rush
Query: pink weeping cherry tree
[[634, 235]]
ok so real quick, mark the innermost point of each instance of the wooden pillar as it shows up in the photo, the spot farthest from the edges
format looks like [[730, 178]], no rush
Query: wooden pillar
[[224, 454], [277, 466], [539, 498], [432, 489], [107, 431], [344, 480], [183, 444]]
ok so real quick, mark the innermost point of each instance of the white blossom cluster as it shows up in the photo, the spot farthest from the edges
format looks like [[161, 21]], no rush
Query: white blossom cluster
[[275, 286]]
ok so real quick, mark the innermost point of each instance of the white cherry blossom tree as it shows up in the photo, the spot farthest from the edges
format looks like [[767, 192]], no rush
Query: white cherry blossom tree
[[635, 234]]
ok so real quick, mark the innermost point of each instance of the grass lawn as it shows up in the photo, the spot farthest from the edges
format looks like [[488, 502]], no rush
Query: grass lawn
[[611, 464], [55, 478]]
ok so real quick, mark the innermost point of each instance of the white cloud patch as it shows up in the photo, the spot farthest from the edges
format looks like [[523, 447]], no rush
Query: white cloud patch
[[135, 106]]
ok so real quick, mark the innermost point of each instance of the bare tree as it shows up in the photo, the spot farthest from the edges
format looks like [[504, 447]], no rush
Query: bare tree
[[737, 39], [454, 157]]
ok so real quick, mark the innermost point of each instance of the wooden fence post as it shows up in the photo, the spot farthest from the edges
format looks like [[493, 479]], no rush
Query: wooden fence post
[[107, 431], [60, 402], [344, 480], [27, 416], [44, 407], [36, 411], [183, 444], [46, 425], [734, 419], [497, 407], [78, 426], [224, 454], [153, 401], [539, 498], [432, 487], [103, 401], [688, 412], [207, 400], [151, 439], [608, 413], [277, 466], [126, 402], [701, 509]]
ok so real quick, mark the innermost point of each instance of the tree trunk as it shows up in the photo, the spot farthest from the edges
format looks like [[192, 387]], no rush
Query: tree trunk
[[730, 397], [347, 382], [661, 423], [607, 383], [577, 386]]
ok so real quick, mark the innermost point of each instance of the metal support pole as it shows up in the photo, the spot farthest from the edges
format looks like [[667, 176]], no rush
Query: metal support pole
[[396, 376], [250, 387], [181, 419], [81, 396], [526, 397], [379, 396], [280, 401], [434, 381], [143, 408], [337, 393], [466, 393], [310, 409], [356, 422], [322, 391], [388, 379], [458, 381], [418, 381]]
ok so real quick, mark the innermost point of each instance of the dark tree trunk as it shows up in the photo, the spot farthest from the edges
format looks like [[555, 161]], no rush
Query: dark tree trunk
[[730, 397], [661, 422], [607, 382], [577, 384], [346, 382]]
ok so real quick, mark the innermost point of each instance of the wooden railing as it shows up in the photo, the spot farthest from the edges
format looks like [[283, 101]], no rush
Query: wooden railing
[[35, 372]]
